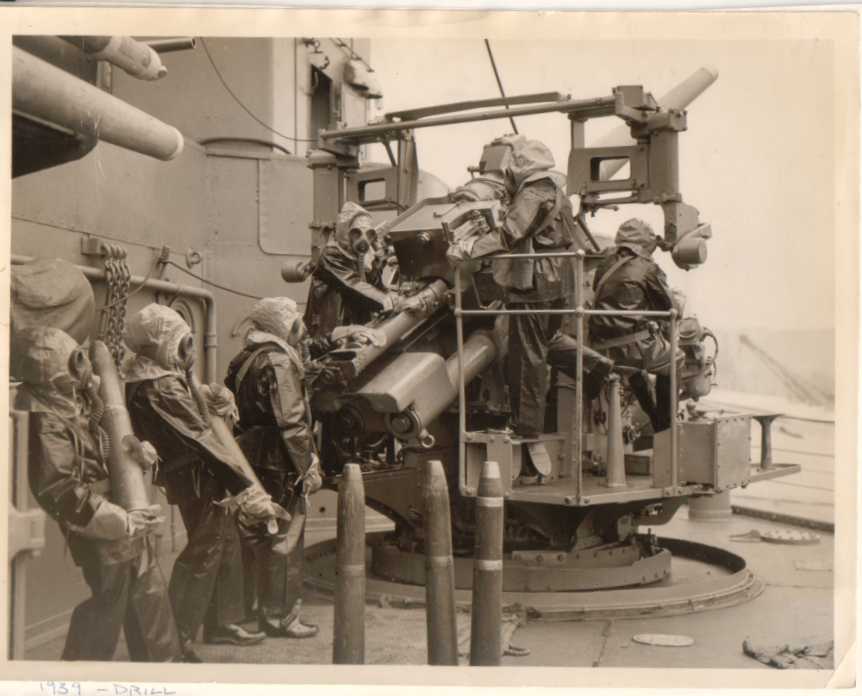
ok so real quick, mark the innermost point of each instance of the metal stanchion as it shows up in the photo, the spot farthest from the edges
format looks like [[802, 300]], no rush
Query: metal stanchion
[[487, 614], [348, 644], [439, 569], [616, 462]]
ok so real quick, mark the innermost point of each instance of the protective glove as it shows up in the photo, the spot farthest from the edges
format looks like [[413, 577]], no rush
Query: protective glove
[[220, 402], [311, 479], [319, 346], [255, 506], [109, 523], [146, 520], [409, 304], [142, 452], [459, 255], [362, 334]]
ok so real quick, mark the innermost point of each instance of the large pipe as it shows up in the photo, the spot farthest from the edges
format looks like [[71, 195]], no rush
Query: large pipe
[[677, 98], [185, 43], [442, 630], [348, 643], [46, 92], [164, 286], [128, 488], [584, 108], [133, 57]]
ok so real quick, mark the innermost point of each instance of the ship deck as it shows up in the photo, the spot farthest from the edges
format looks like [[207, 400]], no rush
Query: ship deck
[[796, 605]]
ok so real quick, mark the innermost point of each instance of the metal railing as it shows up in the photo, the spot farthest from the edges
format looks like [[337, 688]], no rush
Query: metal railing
[[579, 312]]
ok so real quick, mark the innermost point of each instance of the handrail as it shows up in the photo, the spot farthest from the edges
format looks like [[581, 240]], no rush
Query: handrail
[[585, 312], [579, 313]]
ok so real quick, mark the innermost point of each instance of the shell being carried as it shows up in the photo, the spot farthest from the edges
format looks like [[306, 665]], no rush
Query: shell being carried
[[223, 434], [128, 486]]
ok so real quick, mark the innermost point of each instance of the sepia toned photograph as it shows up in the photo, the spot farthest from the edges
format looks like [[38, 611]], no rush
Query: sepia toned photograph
[[400, 349]]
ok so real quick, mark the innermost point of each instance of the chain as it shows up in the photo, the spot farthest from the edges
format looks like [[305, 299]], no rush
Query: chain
[[113, 320], [104, 316]]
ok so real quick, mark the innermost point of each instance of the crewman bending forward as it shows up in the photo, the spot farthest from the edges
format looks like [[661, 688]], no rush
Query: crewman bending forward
[[341, 290], [198, 472]]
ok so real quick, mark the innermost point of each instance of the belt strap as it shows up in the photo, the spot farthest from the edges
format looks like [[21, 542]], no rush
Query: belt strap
[[607, 276], [246, 366], [622, 340]]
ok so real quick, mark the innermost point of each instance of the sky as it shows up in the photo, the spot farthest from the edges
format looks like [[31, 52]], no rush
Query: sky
[[757, 159]]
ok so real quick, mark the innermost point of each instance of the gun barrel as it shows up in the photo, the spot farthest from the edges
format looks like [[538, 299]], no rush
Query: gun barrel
[[134, 57], [432, 398], [46, 92], [351, 362]]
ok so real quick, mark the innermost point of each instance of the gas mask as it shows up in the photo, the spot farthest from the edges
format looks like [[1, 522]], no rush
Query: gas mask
[[699, 369], [185, 355], [354, 230], [359, 242], [87, 385]]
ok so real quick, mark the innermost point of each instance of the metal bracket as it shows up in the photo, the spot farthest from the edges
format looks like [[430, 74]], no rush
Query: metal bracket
[[91, 246], [26, 531]]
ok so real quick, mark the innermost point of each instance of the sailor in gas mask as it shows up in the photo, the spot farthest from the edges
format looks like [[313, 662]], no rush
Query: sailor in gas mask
[[538, 218], [629, 279], [268, 379], [198, 472], [69, 478], [341, 292]]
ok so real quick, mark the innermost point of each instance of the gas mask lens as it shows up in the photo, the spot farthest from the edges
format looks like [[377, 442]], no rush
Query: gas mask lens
[[186, 352], [81, 368], [358, 241]]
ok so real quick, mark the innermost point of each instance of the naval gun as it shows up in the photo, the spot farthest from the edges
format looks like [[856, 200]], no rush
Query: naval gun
[[423, 381]]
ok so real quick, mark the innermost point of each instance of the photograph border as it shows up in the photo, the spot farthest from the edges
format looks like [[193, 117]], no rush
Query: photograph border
[[840, 26]]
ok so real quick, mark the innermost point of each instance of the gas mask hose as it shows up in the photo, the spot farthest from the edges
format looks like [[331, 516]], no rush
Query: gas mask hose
[[186, 355]]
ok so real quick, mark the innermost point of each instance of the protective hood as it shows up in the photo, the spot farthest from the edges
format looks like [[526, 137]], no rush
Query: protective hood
[[528, 157], [40, 358], [154, 334], [351, 215], [636, 236], [278, 316]]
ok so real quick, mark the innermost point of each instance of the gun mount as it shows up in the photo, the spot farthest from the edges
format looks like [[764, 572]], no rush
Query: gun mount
[[425, 381]]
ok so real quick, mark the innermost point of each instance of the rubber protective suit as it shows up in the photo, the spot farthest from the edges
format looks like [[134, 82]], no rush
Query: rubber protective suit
[[196, 472], [341, 293], [267, 379], [538, 219], [630, 280], [69, 478]]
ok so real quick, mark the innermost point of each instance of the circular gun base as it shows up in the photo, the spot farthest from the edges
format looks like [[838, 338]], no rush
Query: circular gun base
[[704, 577], [538, 571]]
